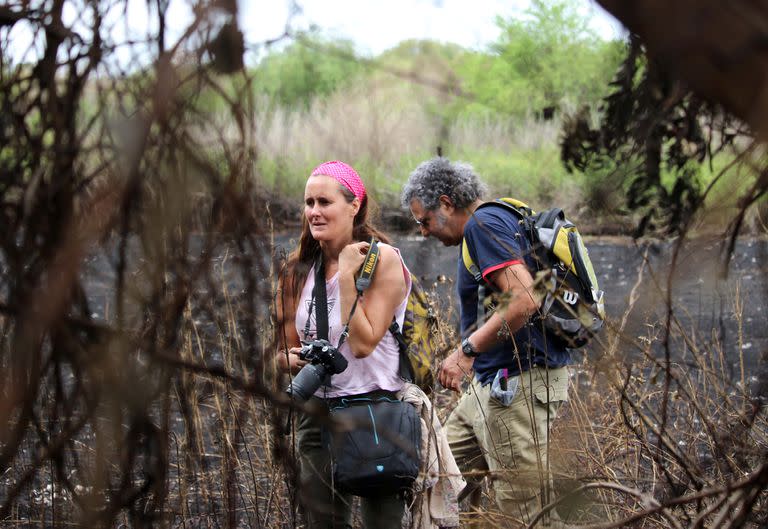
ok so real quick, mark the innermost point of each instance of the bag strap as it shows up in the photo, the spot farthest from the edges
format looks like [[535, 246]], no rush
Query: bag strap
[[522, 209], [405, 369], [546, 219]]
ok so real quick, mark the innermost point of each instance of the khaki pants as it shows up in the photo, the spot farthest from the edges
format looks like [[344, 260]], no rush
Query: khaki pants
[[509, 443]]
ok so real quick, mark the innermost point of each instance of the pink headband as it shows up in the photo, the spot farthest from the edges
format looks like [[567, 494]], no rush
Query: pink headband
[[344, 174]]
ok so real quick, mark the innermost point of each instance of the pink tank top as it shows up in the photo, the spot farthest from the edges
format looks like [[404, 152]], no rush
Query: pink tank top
[[379, 370]]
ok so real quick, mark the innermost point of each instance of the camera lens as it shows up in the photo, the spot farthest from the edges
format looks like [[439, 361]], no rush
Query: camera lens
[[307, 381]]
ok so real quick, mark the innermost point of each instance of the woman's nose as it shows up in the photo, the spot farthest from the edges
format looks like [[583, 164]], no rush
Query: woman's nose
[[424, 230]]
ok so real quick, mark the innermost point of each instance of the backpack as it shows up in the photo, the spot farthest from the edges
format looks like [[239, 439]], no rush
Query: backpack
[[416, 340], [573, 307]]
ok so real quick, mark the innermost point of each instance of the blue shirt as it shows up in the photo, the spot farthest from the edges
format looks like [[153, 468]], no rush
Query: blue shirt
[[495, 240]]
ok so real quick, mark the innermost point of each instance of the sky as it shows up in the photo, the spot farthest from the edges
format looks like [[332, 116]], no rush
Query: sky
[[374, 25]]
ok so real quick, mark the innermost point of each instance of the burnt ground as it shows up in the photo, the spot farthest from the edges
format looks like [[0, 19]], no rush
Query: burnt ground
[[722, 313], [704, 302]]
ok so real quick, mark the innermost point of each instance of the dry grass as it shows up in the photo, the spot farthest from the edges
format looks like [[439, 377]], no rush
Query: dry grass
[[641, 443], [136, 287], [386, 127]]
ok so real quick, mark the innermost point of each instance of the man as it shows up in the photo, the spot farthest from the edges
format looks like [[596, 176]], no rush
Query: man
[[500, 427]]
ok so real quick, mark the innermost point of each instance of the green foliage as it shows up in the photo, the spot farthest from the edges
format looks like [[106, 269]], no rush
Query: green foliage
[[399, 106], [308, 68], [654, 140], [532, 175], [283, 175], [550, 58], [412, 53]]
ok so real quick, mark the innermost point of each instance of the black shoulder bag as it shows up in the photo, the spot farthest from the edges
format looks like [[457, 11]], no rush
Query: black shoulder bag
[[374, 439]]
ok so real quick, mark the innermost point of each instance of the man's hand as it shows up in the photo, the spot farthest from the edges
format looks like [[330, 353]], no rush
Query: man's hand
[[454, 368]]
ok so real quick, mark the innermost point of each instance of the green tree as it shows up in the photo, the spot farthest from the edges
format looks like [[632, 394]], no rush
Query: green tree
[[549, 58], [312, 66]]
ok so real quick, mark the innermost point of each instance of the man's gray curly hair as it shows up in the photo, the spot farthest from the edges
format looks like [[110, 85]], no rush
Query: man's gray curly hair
[[439, 176]]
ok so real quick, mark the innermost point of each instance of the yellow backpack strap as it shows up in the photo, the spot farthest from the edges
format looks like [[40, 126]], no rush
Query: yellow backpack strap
[[561, 247], [469, 264], [521, 209], [519, 204]]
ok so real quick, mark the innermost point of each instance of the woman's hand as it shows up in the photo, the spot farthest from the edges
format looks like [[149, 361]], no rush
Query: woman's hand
[[290, 362], [377, 306], [351, 258]]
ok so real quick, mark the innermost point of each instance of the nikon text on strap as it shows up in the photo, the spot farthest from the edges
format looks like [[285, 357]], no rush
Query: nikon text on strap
[[362, 283]]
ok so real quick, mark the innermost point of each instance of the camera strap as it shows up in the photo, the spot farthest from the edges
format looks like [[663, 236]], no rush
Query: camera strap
[[320, 296], [321, 301], [362, 282]]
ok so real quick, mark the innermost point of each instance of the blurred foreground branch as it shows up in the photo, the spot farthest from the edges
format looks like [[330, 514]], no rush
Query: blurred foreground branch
[[134, 271]]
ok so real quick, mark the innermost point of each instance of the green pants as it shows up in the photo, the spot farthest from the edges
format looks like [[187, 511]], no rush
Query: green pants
[[510, 443], [327, 508]]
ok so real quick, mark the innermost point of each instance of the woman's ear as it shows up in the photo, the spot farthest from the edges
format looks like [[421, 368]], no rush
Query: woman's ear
[[355, 206]]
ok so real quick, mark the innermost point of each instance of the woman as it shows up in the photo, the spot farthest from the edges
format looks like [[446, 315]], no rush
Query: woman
[[336, 230]]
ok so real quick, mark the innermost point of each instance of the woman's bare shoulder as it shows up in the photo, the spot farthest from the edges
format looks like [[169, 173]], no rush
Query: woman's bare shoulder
[[388, 254]]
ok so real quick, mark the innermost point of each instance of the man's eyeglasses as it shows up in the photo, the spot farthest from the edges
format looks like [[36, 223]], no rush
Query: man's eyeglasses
[[423, 222]]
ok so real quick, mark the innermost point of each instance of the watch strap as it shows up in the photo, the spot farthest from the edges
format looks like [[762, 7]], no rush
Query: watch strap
[[468, 349]]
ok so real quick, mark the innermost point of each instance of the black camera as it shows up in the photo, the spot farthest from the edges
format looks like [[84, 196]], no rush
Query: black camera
[[324, 360]]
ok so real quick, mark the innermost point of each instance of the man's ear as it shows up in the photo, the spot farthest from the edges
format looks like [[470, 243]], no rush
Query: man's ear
[[446, 203]]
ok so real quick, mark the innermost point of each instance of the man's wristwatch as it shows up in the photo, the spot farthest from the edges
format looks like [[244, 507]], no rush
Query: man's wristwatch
[[468, 349]]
